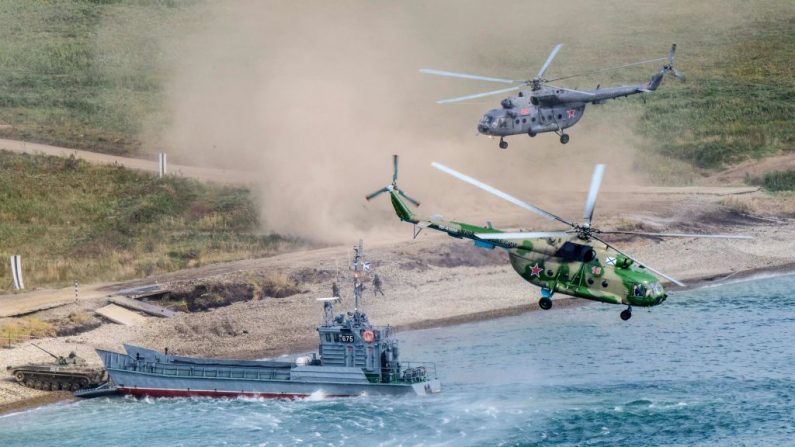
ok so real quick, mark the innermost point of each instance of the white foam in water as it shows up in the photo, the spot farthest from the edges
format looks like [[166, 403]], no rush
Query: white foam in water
[[316, 396]]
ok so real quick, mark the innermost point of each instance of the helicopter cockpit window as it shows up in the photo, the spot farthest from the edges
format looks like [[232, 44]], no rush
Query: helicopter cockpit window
[[639, 290], [491, 116]]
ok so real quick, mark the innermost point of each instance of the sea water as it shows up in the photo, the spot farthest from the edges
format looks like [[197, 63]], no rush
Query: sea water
[[713, 366]]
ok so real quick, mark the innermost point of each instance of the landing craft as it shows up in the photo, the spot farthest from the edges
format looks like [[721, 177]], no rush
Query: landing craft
[[547, 108], [354, 358], [575, 261]]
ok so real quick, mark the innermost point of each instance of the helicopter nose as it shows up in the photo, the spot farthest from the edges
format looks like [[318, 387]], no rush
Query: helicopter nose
[[482, 128]]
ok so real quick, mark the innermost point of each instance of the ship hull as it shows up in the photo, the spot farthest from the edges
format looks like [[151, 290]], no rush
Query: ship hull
[[168, 380]]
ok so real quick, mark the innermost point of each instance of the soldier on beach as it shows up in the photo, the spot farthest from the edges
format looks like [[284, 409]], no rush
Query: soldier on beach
[[377, 285]]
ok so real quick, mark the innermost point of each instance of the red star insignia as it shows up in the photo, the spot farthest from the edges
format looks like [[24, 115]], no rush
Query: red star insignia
[[571, 113], [596, 270], [535, 270]]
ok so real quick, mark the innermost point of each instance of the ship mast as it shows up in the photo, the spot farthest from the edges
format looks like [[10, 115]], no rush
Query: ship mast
[[360, 268]]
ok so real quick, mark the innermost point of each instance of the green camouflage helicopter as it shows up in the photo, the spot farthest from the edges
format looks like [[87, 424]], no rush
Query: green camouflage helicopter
[[574, 262]]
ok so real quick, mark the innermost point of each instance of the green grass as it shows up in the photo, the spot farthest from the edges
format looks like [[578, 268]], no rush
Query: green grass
[[737, 107], [71, 220], [775, 181], [84, 74]]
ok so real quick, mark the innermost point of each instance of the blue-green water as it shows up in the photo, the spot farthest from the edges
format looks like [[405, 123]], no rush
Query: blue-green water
[[714, 366]]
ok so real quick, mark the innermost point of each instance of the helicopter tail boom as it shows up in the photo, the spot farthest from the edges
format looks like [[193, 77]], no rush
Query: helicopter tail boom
[[459, 230], [454, 229], [655, 81], [401, 208]]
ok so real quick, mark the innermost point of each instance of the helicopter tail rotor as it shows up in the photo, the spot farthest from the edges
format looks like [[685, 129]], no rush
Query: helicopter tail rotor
[[377, 193], [392, 187], [670, 67]]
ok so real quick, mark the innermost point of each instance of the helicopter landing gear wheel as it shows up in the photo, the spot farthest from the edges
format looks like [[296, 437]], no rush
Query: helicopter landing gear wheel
[[545, 303], [532, 134], [564, 138], [503, 144], [626, 314]]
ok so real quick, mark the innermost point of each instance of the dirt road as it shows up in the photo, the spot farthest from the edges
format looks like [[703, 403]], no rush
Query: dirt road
[[196, 172]]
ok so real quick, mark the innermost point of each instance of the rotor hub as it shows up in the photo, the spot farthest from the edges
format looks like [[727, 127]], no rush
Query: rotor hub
[[583, 232]]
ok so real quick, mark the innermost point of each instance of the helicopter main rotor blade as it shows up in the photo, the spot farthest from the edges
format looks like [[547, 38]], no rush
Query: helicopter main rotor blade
[[590, 202], [602, 70], [523, 235], [452, 74], [648, 234], [549, 60], [640, 263], [478, 95], [498, 193]]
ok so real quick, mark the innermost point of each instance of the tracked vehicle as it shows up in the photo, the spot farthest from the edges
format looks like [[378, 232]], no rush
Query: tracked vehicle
[[69, 373]]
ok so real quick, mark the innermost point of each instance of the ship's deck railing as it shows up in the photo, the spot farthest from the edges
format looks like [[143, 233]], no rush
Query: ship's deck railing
[[211, 372], [413, 372], [407, 372]]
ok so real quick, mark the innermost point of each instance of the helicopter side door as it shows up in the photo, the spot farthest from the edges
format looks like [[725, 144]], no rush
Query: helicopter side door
[[518, 119], [546, 119]]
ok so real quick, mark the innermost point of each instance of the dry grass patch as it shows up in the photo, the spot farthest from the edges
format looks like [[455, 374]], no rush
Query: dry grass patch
[[24, 329]]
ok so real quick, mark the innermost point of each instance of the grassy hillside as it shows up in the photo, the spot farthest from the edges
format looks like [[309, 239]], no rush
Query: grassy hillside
[[90, 74], [74, 221], [84, 74], [736, 104]]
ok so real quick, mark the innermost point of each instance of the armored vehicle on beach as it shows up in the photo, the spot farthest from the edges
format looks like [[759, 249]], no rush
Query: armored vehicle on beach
[[354, 358], [65, 373]]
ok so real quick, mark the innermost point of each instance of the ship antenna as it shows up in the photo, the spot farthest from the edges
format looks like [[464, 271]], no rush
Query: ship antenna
[[360, 269]]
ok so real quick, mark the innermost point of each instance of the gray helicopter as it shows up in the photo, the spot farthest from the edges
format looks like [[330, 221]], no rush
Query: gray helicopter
[[547, 108]]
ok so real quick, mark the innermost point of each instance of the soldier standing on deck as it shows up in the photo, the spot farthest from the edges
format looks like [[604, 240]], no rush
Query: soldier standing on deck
[[328, 310]]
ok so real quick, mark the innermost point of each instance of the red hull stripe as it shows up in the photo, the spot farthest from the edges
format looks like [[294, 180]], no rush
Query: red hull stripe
[[160, 392]]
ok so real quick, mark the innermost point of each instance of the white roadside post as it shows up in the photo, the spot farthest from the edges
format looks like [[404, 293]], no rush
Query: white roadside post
[[162, 159], [16, 272]]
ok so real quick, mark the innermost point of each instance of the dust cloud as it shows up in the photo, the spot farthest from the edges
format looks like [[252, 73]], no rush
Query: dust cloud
[[316, 96]]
